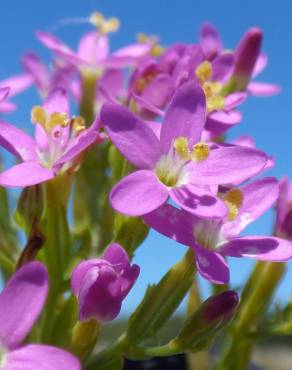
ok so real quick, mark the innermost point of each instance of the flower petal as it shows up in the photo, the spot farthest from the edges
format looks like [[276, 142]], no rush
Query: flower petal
[[21, 301], [138, 193], [58, 47], [95, 296], [258, 197], [262, 89], [258, 247], [260, 65], [57, 101], [222, 67], [174, 223], [41, 357], [4, 92], [17, 142], [80, 144], [7, 107], [25, 174], [228, 164], [185, 116], [93, 47], [134, 139], [17, 83], [38, 70], [198, 201], [211, 265], [210, 40]]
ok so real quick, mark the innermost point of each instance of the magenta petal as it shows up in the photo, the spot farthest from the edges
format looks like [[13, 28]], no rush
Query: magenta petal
[[25, 174], [93, 47], [144, 104], [258, 197], [262, 89], [7, 107], [112, 81], [41, 357], [198, 201], [17, 142], [138, 193], [4, 92], [57, 101], [38, 70], [159, 91], [17, 83], [260, 64], [211, 265], [173, 223], [185, 116], [228, 164], [80, 271], [81, 143], [134, 139], [58, 47], [95, 297], [233, 100], [258, 247], [117, 256], [218, 123], [21, 301], [210, 40], [222, 67]]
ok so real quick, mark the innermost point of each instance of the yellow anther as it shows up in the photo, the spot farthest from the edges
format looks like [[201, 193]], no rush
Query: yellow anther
[[104, 25], [181, 147], [233, 199], [142, 37], [204, 71], [110, 25], [48, 121], [156, 50], [215, 103], [96, 19], [200, 152], [56, 119], [38, 115], [212, 88], [78, 124]]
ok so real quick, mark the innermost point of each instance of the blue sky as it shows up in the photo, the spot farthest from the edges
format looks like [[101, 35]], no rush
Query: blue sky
[[268, 120]]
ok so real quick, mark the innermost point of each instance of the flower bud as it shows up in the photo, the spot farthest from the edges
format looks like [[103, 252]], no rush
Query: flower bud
[[246, 56], [100, 285], [201, 327]]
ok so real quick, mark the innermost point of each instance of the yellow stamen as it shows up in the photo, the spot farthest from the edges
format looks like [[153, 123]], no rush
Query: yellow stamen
[[104, 25], [181, 147], [142, 37], [200, 152], [233, 199], [55, 119], [38, 115], [96, 19], [215, 103], [48, 121], [156, 50], [78, 124], [204, 72]]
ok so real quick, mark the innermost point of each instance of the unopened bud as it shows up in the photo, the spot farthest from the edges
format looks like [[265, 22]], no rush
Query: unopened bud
[[201, 327]]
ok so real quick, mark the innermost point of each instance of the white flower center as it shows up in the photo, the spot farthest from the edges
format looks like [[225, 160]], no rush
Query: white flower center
[[209, 234]]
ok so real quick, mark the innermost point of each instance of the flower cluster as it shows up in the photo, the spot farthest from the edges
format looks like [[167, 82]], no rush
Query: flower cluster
[[147, 149]]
